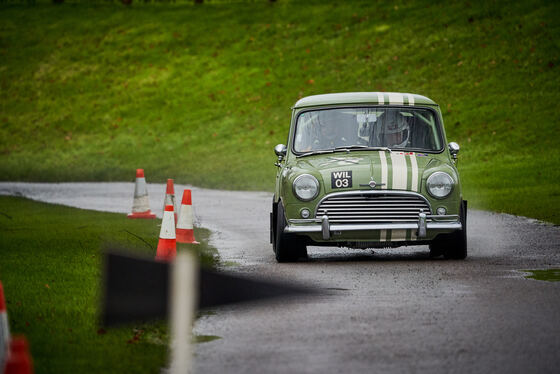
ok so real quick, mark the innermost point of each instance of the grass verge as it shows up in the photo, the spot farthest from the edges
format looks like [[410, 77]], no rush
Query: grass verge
[[203, 93], [50, 262]]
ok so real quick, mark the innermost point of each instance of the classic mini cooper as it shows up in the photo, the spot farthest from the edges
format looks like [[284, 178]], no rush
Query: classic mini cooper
[[367, 170]]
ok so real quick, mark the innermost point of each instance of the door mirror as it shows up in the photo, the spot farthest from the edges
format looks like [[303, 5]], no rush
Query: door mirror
[[280, 150], [454, 150]]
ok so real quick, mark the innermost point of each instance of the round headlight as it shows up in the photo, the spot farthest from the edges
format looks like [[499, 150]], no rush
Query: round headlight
[[306, 187], [440, 184]]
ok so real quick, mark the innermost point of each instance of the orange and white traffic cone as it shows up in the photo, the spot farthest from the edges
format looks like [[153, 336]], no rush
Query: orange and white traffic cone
[[4, 329], [19, 360], [167, 245], [185, 232], [170, 197], [141, 203]]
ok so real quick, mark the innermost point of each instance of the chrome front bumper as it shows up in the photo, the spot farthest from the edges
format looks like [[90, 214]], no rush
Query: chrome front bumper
[[425, 222]]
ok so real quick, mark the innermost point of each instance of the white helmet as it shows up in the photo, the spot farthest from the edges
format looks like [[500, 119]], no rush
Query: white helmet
[[395, 128]]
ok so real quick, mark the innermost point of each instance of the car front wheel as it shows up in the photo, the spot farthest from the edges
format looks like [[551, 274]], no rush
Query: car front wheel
[[286, 247], [454, 245]]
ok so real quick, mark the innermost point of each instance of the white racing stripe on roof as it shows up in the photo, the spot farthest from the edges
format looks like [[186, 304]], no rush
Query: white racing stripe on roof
[[395, 98], [410, 99], [380, 98]]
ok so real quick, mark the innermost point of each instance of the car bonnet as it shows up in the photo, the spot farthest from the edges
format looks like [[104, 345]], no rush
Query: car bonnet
[[388, 170]]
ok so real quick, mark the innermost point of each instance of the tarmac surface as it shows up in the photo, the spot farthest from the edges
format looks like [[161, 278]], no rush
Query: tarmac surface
[[388, 311]]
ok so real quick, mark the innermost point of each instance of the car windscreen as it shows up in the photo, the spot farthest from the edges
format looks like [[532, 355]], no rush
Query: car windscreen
[[413, 129]]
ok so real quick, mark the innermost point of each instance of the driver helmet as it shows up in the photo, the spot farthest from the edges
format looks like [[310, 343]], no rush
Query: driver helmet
[[396, 129]]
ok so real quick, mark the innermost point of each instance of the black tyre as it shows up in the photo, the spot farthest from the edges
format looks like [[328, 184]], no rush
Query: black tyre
[[454, 245], [286, 247], [436, 249]]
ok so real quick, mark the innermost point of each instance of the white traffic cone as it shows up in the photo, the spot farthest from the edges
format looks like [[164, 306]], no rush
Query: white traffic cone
[[185, 232], [4, 329], [167, 245], [170, 197], [141, 203]]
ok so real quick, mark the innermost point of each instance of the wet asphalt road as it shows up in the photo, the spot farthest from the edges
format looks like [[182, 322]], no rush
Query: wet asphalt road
[[391, 310]]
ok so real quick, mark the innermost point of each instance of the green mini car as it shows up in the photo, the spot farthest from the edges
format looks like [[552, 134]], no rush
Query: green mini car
[[367, 170]]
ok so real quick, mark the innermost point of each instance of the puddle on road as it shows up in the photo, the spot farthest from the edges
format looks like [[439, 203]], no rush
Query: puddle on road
[[549, 275], [198, 339]]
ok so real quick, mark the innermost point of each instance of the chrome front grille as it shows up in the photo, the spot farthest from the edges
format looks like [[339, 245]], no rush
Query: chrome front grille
[[372, 207]]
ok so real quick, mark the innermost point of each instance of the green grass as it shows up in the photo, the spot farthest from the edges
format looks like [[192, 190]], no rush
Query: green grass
[[203, 93], [50, 260], [549, 275]]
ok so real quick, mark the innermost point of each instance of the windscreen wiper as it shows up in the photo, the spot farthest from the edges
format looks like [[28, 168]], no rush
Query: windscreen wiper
[[347, 148], [386, 149], [316, 152], [357, 146]]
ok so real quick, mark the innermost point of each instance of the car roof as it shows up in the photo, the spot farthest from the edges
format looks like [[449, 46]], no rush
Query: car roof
[[383, 98]]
